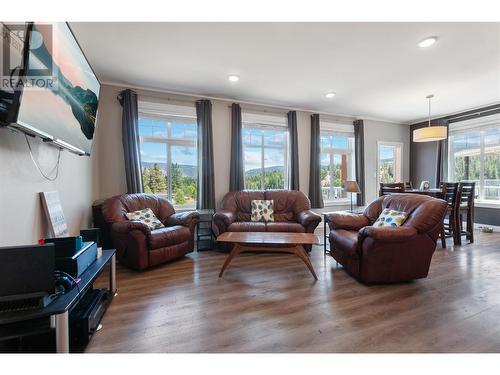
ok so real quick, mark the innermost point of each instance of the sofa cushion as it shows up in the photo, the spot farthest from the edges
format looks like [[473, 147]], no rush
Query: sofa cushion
[[169, 236], [285, 227], [246, 226], [390, 218], [262, 210], [145, 216], [345, 241]]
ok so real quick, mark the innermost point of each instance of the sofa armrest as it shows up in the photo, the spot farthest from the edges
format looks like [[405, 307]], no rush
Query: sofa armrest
[[222, 219], [185, 219], [346, 220], [130, 239], [308, 218], [387, 234], [124, 227]]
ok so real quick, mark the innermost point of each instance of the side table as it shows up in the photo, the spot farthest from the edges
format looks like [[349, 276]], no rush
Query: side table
[[204, 234]]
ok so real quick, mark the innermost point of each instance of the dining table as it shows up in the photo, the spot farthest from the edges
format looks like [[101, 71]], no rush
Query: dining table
[[433, 192]]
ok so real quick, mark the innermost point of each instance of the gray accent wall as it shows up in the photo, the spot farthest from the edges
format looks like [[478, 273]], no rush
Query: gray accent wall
[[486, 215]]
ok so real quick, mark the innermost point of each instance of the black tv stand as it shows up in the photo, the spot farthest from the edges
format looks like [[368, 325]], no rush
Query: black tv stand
[[55, 317]]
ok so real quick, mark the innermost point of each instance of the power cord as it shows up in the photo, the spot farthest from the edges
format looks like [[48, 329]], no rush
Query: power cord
[[75, 281], [56, 167]]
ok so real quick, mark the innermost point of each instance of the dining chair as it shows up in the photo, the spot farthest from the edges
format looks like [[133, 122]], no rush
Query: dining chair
[[466, 207], [408, 185], [388, 188], [451, 228]]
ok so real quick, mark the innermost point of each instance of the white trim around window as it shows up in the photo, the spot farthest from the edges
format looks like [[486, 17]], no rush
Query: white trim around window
[[473, 148], [398, 162], [331, 129], [263, 122]]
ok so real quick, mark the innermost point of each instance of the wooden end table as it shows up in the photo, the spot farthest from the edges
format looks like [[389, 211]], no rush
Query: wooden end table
[[291, 243]]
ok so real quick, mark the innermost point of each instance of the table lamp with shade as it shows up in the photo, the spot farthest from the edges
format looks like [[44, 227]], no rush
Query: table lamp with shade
[[351, 187]]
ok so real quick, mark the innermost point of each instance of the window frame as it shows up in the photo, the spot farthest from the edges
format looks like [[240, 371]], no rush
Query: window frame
[[161, 112], [262, 122], [474, 131], [329, 129], [398, 168]]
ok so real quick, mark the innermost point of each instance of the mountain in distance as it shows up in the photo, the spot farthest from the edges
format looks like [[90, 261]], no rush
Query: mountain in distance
[[187, 170], [191, 170], [257, 171]]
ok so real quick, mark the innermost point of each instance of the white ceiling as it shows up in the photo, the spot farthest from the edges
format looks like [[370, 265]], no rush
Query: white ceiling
[[376, 69]]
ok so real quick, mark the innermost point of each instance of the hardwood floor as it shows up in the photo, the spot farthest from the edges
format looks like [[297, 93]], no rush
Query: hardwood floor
[[270, 303]]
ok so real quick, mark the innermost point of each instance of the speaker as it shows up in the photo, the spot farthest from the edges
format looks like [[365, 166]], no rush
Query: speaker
[[91, 235], [26, 276]]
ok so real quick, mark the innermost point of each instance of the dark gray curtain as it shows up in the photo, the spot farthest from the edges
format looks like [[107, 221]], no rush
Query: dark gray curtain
[[442, 159], [359, 140], [236, 178], [130, 138], [294, 150], [315, 195], [206, 189]]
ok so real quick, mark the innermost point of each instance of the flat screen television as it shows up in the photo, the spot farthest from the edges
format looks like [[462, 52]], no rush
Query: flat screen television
[[53, 93]]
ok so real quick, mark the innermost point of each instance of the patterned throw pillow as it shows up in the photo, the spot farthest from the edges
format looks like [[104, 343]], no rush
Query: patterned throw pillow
[[262, 210], [390, 218], [147, 217]]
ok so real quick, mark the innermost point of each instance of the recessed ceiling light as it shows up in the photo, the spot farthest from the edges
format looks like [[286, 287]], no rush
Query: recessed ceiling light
[[427, 42], [330, 95], [233, 78]]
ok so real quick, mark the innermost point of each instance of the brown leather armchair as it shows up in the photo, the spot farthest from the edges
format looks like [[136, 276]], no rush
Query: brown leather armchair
[[385, 255], [292, 213], [136, 245]]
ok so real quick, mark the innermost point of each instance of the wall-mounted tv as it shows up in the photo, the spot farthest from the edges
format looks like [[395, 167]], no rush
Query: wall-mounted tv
[[53, 91]]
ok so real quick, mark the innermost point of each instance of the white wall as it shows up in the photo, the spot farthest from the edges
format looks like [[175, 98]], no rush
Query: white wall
[[376, 131], [109, 143], [22, 219]]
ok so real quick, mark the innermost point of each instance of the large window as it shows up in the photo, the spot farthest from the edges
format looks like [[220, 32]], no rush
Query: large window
[[169, 156], [474, 155], [265, 153], [390, 162], [337, 161]]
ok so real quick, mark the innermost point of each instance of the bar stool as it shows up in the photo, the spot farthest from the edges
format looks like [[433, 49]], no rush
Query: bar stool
[[466, 207], [451, 194]]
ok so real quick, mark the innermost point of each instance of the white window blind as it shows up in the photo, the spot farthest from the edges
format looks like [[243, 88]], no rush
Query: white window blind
[[337, 128], [165, 109], [480, 124]]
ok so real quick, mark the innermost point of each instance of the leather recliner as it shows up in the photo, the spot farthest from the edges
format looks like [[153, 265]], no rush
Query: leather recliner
[[292, 213], [136, 245], [385, 254]]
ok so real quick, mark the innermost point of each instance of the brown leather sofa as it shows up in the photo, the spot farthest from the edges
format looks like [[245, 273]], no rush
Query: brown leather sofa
[[136, 245], [386, 255], [292, 213]]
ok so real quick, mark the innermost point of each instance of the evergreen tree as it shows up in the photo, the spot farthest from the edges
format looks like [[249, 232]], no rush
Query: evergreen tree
[[153, 180], [146, 180]]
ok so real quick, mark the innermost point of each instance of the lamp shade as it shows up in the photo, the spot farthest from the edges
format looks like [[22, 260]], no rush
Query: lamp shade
[[351, 187], [430, 134]]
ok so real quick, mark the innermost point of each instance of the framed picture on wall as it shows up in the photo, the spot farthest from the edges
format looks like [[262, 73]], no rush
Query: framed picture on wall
[[54, 213]]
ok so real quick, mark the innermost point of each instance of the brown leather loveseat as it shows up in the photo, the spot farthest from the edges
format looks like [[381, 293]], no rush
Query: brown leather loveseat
[[384, 255], [292, 212], [136, 245]]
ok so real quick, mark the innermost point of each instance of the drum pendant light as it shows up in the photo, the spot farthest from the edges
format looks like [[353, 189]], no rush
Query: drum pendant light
[[430, 133]]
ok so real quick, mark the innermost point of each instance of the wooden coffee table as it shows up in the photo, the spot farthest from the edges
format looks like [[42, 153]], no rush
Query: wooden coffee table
[[291, 243]]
